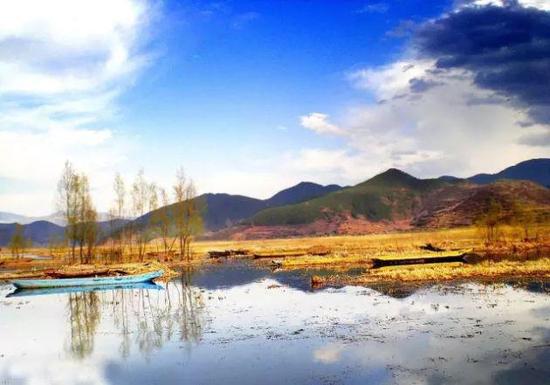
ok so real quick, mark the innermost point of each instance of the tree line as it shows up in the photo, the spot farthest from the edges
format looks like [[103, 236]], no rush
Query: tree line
[[141, 212]]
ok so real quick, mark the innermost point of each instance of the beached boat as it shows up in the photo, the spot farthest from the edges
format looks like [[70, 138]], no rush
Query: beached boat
[[84, 289], [87, 281]]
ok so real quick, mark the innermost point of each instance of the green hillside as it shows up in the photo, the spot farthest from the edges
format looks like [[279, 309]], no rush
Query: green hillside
[[393, 194]]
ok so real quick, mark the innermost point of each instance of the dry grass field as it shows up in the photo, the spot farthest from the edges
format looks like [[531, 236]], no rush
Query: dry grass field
[[511, 255]]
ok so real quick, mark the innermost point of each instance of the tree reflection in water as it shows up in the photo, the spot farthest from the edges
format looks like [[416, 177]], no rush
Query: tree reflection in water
[[145, 318], [190, 311], [84, 316]]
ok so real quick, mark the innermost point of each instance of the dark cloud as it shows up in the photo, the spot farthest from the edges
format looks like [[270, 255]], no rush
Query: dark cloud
[[506, 48]]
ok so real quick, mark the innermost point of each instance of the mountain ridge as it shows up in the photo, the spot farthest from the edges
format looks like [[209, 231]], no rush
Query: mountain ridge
[[536, 170], [392, 199]]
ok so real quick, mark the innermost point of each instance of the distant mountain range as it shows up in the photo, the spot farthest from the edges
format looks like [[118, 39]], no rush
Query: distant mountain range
[[39, 232], [392, 200], [535, 170], [55, 218], [225, 210]]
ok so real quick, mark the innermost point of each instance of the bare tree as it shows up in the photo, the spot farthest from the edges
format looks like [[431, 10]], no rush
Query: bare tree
[[18, 243], [152, 206], [164, 220], [491, 220], [75, 202], [67, 203], [140, 192], [524, 216], [86, 221], [187, 216], [119, 211]]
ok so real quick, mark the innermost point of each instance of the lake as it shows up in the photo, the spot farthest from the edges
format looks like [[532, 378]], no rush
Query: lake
[[235, 324]]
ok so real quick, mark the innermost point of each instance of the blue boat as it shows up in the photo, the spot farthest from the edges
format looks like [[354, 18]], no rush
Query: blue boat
[[83, 289], [88, 281]]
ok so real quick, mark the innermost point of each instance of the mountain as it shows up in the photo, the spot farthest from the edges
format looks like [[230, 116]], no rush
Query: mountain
[[460, 205], [220, 211], [301, 192], [224, 210], [535, 170], [390, 195], [56, 218], [394, 200], [13, 218], [39, 232]]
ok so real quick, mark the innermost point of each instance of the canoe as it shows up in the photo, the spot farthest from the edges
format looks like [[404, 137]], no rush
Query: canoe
[[91, 281], [462, 257], [83, 289]]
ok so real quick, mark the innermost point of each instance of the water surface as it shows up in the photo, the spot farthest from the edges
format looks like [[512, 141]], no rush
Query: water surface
[[233, 324]]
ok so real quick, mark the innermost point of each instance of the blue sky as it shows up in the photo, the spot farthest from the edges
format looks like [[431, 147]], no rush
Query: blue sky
[[253, 96], [232, 78]]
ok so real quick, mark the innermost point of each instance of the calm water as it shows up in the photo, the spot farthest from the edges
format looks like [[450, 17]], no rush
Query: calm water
[[237, 325]]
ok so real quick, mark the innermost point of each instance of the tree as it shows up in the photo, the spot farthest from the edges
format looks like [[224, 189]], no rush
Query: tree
[[75, 202], [524, 215], [67, 203], [140, 192], [152, 206], [86, 226], [119, 211], [187, 216], [89, 223], [491, 220], [164, 220], [18, 242]]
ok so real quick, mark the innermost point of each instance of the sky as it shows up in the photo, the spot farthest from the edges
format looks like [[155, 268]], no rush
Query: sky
[[251, 97]]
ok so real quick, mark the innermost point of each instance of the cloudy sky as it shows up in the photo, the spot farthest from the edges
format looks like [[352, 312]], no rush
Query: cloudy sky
[[253, 96]]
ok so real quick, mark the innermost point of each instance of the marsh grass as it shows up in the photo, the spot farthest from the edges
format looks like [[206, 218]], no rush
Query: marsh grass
[[533, 269], [510, 254]]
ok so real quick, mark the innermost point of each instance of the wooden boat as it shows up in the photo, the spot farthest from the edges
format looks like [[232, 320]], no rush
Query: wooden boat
[[83, 289], [88, 281], [462, 257]]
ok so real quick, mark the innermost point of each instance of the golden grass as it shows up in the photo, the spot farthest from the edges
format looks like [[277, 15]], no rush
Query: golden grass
[[346, 250], [351, 251], [532, 269]]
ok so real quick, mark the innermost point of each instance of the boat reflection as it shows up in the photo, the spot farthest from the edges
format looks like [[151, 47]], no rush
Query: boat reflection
[[80, 289]]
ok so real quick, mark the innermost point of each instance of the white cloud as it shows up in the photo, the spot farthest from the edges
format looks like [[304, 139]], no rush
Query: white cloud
[[63, 63], [64, 45], [319, 123], [450, 127]]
